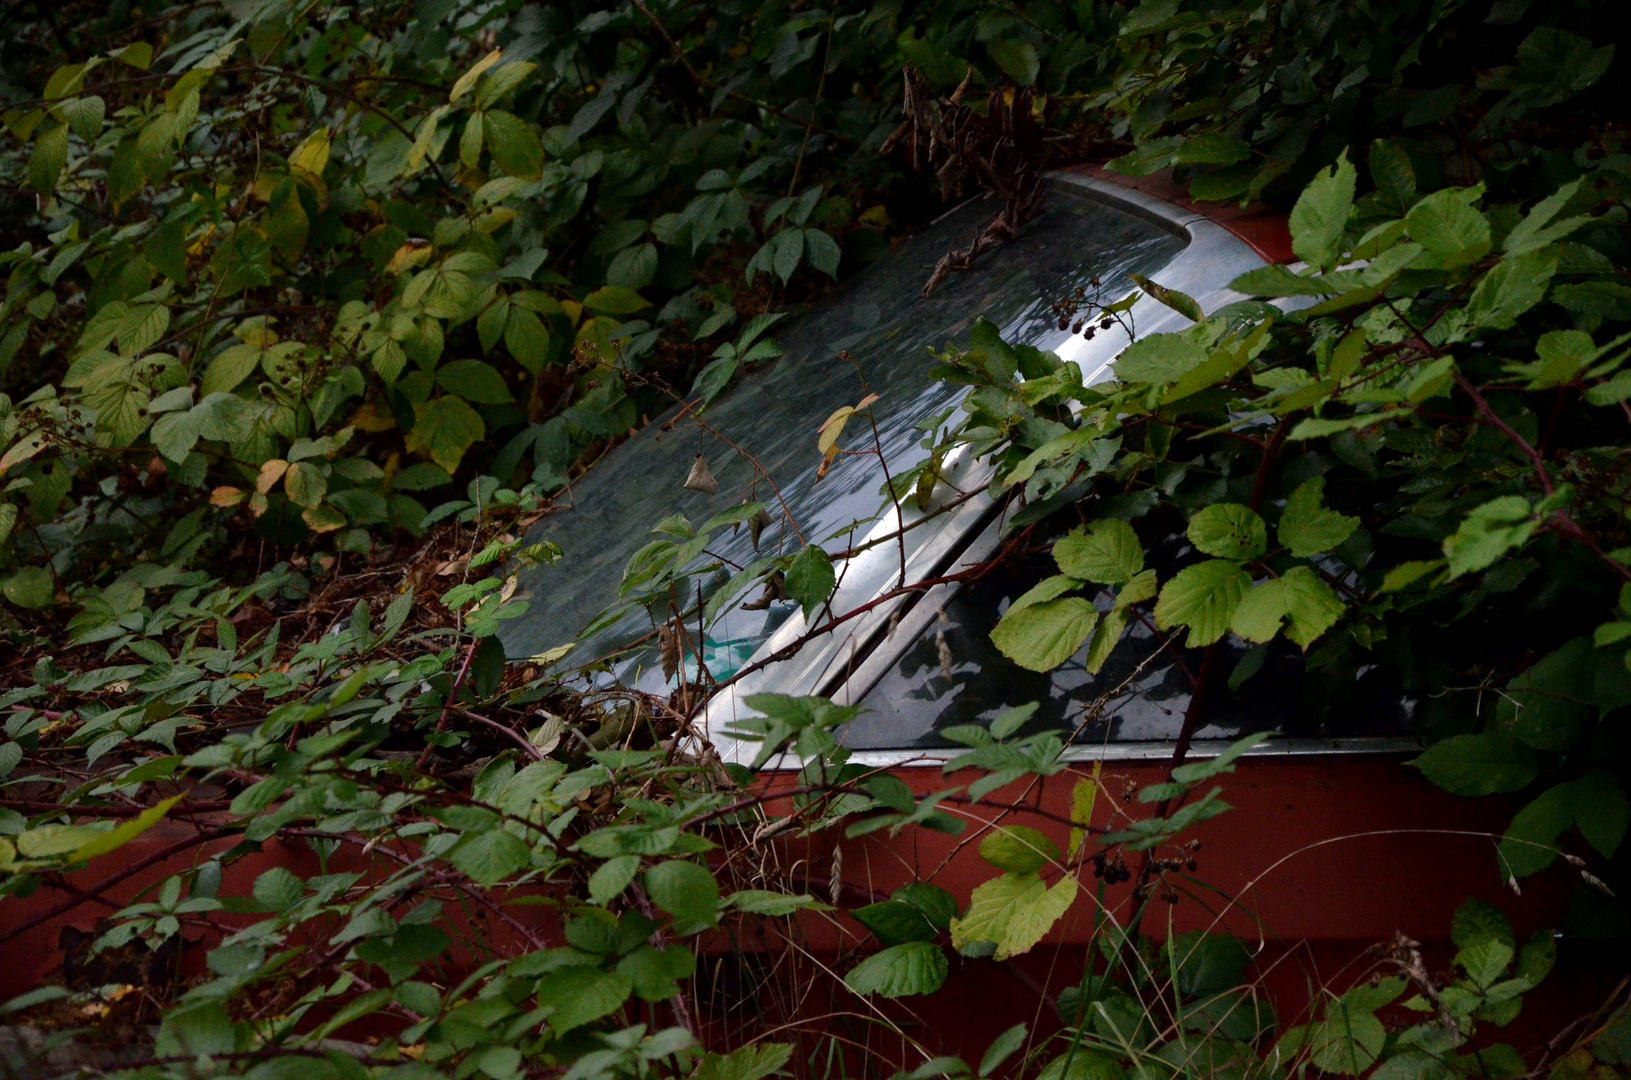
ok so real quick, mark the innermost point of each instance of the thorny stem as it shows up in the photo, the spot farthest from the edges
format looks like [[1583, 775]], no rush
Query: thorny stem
[[452, 696], [974, 572], [1197, 695], [1564, 521], [703, 80], [510, 733]]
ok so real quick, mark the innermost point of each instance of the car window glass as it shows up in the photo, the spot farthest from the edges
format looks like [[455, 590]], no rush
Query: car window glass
[[886, 326], [952, 674]]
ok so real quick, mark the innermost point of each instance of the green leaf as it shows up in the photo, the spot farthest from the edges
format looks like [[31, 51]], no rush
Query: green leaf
[[475, 380], [764, 902], [1546, 705], [1488, 533], [1207, 963], [1229, 531], [1536, 230], [125, 832], [1484, 939], [1104, 552], [1448, 226], [491, 322], [581, 995], [1017, 59], [749, 1063], [1080, 1063], [916, 967], [1536, 958], [1042, 636], [615, 300], [1013, 911], [527, 339], [686, 891], [1509, 290], [1276, 281], [470, 141], [1474, 765], [1159, 358], [1300, 596], [305, 484], [1321, 214], [490, 856], [810, 579], [1347, 1041], [655, 973], [1202, 597], [1530, 843], [444, 428], [278, 890], [1002, 1048], [612, 877], [713, 379], [1601, 811], [29, 587], [1011, 720], [896, 922], [1106, 636], [936, 904], [1182, 303], [1306, 528], [788, 250], [84, 115], [513, 144], [822, 252], [1018, 849], [50, 155], [633, 267]]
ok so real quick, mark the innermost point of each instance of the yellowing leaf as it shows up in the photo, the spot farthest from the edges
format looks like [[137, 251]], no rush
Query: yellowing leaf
[[311, 156], [322, 519], [1042, 636], [1014, 911], [832, 428], [1307, 528], [410, 256], [272, 470], [1105, 552], [124, 833], [1082, 799], [228, 368], [1203, 598], [468, 79], [1300, 596]]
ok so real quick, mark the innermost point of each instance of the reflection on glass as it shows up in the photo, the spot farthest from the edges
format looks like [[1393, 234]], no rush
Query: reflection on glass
[[1141, 693], [773, 415]]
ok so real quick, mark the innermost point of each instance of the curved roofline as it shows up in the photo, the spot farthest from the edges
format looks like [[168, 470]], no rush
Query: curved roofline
[[1264, 229]]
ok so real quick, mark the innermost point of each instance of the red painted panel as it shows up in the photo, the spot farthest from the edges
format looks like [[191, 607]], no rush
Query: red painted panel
[[1315, 849], [1320, 859]]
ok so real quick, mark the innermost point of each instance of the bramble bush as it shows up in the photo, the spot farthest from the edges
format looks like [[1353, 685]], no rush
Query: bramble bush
[[301, 288]]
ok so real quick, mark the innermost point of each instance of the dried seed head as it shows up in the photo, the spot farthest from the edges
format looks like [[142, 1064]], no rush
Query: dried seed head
[[756, 526], [669, 645], [700, 478]]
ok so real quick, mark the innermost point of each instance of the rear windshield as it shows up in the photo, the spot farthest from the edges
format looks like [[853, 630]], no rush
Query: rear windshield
[[773, 413]]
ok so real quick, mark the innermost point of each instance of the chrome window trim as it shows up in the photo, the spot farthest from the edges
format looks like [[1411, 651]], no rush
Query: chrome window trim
[[848, 662], [1199, 750]]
